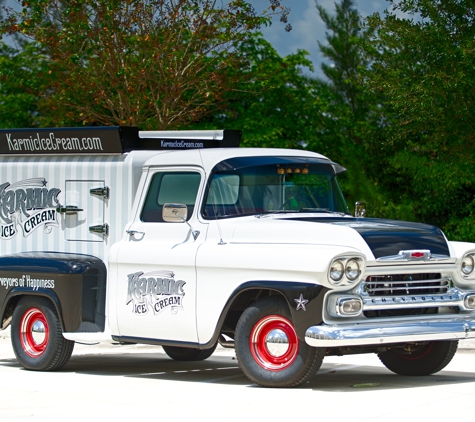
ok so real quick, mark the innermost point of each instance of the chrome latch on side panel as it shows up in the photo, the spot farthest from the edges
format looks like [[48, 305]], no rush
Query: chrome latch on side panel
[[100, 229], [104, 192], [68, 209]]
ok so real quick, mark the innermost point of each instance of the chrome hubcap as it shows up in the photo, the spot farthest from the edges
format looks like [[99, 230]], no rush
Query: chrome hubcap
[[277, 343], [38, 332]]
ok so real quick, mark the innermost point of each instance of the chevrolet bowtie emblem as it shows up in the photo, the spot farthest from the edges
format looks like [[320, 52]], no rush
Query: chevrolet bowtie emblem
[[416, 255]]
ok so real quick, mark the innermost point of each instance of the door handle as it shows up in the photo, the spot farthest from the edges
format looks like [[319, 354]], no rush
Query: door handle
[[132, 233], [68, 209]]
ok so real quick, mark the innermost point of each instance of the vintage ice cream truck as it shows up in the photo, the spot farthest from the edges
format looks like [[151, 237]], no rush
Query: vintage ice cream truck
[[184, 240]]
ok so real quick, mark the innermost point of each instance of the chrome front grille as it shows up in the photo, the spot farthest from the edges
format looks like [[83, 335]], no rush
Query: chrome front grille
[[405, 285]]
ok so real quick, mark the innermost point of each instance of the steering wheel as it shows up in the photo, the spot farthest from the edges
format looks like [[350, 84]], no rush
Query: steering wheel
[[295, 203]]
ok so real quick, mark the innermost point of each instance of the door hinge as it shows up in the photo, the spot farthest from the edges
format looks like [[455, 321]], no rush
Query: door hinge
[[100, 229], [68, 209], [104, 192]]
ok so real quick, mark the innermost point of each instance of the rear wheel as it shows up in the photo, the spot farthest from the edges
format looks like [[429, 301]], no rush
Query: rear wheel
[[268, 349], [37, 337], [419, 359], [188, 354]]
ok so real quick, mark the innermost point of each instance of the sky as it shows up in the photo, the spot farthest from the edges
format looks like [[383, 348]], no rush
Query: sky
[[307, 27]]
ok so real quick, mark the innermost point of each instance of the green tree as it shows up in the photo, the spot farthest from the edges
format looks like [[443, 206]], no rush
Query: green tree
[[154, 64], [352, 118], [274, 104], [422, 65], [22, 74], [343, 49]]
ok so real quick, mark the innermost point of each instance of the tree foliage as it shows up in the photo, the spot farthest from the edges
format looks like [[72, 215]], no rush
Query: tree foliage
[[351, 126], [274, 105], [154, 63], [343, 50], [422, 65], [21, 74]]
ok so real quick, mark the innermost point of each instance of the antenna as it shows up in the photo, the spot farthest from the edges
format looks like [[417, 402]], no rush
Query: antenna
[[221, 241], [215, 212]]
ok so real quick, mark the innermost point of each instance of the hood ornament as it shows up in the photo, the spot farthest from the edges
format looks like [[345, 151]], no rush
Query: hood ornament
[[414, 255]]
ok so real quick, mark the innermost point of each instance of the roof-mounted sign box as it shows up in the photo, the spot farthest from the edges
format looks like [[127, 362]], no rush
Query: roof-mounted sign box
[[189, 139], [109, 140]]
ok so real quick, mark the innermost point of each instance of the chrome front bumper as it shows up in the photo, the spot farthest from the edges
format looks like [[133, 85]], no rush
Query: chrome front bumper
[[388, 333]]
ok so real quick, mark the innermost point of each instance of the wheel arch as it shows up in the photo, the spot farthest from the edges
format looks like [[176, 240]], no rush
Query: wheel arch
[[310, 297], [17, 294]]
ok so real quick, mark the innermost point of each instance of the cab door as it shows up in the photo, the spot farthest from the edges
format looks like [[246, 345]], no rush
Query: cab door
[[156, 277]]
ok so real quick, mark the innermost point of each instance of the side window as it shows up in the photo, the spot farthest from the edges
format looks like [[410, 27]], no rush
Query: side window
[[223, 195], [176, 187]]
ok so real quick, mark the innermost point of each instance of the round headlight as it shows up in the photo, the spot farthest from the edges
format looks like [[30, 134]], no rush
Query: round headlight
[[352, 270], [467, 265], [336, 270]]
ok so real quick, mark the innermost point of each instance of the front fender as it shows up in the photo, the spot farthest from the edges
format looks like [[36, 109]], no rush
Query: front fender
[[309, 296], [305, 300]]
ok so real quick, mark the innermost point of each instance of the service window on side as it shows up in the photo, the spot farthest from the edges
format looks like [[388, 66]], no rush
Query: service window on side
[[170, 187]]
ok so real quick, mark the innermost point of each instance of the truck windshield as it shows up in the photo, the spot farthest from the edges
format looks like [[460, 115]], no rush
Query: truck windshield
[[273, 188]]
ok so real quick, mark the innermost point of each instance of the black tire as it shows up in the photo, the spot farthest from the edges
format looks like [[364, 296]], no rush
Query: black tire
[[293, 364], [424, 359], [186, 354], [34, 349]]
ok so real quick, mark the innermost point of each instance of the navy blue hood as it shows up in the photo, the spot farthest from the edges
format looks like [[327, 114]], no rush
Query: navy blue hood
[[388, 237]]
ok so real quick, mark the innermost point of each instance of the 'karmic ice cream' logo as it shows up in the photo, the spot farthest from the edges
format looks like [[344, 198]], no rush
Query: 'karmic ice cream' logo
[[28, 204], [156, 290]]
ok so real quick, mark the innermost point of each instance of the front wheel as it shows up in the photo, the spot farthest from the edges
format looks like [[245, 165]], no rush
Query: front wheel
[[37, 337], [186, 354], [268, 349], [419, 359]]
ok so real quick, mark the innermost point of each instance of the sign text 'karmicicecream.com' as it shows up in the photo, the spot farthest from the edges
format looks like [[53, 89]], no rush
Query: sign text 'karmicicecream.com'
[[51, 143], [103, 140]]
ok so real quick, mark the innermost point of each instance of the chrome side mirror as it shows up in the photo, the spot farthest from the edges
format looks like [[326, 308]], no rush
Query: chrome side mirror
[[174, 213], [360, 209], [177, 213]]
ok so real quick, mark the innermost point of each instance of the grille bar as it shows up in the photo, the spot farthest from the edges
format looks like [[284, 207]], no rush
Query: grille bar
[[404, 288], [406, 284]]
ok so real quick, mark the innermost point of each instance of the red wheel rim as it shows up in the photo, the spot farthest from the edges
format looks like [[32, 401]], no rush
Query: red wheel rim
[[419, 354], [34, 332], [261, 338]]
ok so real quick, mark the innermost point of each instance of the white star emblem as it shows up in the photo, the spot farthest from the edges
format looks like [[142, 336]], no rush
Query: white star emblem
[[301, 302]]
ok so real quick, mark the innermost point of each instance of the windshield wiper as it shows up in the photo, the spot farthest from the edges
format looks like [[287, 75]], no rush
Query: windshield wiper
[[323, 210], [316, 210], [261, 214]]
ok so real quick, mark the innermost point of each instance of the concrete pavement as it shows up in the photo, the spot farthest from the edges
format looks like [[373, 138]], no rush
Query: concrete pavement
[[138, 382]]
